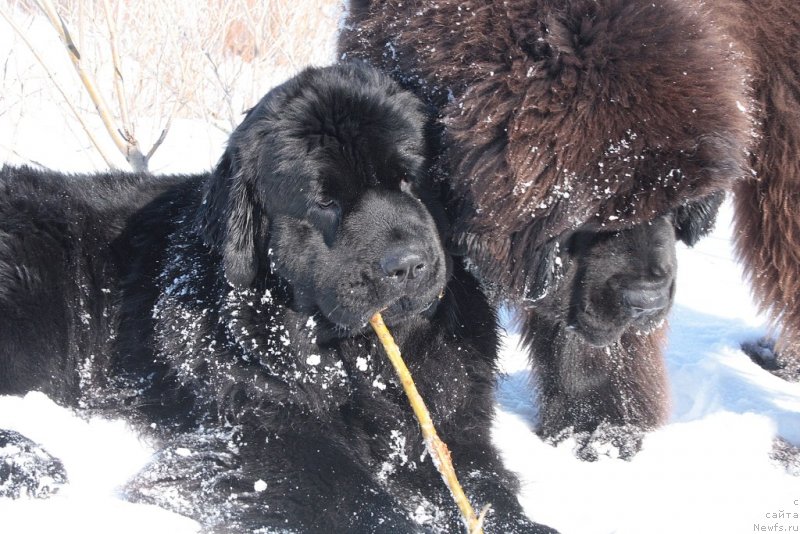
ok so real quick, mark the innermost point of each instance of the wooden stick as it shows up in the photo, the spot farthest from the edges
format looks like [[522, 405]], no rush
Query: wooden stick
[[437, 448]]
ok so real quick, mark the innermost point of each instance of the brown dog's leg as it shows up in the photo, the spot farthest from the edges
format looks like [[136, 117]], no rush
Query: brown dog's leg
[[767, 205]]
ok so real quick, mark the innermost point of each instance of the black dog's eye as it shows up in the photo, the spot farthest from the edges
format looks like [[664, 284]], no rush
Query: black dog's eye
[[327, 203], [326, 215]]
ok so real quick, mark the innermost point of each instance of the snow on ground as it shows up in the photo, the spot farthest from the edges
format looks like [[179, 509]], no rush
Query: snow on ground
[[708, 470], [98, 456]]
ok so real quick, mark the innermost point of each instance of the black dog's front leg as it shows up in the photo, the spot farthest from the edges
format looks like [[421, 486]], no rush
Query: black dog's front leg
[[293, 482], [610, 394], [316, 485]]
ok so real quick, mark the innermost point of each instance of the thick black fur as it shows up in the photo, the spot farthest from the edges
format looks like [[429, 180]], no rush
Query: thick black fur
[[614, 281], [234, 308], [60, 264], [596, 339]]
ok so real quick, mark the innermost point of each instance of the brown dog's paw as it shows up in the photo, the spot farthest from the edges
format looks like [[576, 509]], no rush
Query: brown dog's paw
[[784, 363]]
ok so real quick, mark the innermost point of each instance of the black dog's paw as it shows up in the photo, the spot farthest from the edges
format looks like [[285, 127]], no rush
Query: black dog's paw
[[607, 440], [26, 469], [783, 364], [191, 475]]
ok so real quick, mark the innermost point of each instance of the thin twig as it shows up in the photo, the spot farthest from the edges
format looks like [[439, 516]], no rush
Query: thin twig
[[119, 81], [158, 141], [233, 119], [28, 161], [436, 447], [129, 148], [81, 25], [58, 87]]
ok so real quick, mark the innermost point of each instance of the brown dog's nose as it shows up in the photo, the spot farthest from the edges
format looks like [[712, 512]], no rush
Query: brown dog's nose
[[403, 263]]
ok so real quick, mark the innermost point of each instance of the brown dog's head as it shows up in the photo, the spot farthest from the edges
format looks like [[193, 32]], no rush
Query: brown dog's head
[[559, 116]]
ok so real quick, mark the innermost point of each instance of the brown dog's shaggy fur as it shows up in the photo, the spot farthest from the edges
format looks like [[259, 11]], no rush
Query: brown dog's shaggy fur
[[767, 202], [562, 114], [562, 117]]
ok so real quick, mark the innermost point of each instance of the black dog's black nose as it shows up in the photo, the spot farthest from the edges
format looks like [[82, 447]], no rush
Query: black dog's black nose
[[402, 263], [645, 301]]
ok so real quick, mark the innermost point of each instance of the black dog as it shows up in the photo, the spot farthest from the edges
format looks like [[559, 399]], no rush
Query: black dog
[[595, 339], [233, 307]]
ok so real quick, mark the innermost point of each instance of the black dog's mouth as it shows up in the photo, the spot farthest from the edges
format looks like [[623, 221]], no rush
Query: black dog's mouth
[[601, 329], [404, 308], [596, 335], [341, 323]]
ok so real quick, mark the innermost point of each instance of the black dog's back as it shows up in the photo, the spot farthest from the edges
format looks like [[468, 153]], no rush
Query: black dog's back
[[61, 258]]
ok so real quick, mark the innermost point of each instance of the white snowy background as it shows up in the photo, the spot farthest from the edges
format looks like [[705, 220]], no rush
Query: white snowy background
[[707, 471]]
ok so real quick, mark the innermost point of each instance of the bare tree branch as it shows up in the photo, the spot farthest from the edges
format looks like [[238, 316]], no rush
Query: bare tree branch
[[129, 148], [29, 161], [158, 142], [58, 87], [119, 81], [210, 59]]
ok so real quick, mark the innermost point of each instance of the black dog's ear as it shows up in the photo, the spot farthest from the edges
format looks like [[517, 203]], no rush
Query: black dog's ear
[[229, 217], [696, 219]]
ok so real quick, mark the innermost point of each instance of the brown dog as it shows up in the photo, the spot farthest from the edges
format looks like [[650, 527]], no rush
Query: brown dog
[[586, 116]]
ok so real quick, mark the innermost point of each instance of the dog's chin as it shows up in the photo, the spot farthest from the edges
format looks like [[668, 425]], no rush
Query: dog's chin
[[342, 323], [602, 333], [403, 309], [596, 333]]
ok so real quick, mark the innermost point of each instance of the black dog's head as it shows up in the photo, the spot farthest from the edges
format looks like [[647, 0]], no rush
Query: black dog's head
[[319, 185], [601, 282], [614, 280]]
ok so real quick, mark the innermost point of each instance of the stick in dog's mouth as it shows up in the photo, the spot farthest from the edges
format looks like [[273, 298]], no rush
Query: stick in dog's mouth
[[435, 446]]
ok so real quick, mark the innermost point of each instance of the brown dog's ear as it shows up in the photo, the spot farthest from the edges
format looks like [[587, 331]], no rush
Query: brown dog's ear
[[695, 219], [359, 7], [229, 218]]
